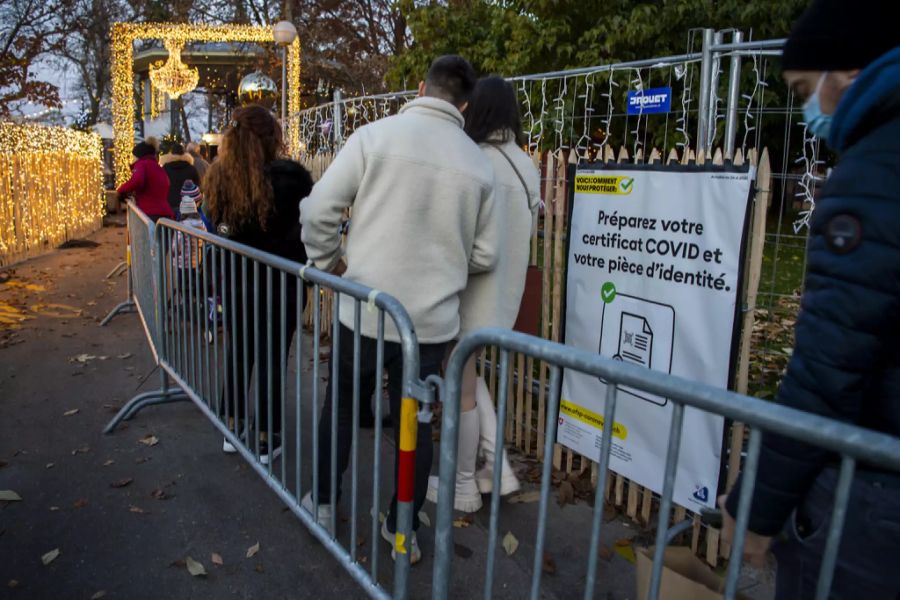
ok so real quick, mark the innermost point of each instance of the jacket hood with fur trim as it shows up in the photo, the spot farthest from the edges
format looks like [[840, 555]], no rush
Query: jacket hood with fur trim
[[170, 158]]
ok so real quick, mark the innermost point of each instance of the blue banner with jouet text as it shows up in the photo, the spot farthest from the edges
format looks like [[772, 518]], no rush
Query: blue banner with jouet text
[[655, 100]]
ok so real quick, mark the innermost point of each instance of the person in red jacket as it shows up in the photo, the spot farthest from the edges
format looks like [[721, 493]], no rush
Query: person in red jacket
[[149, 183]]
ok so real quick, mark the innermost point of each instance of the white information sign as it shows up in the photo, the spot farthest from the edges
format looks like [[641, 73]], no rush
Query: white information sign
[[654, 267]]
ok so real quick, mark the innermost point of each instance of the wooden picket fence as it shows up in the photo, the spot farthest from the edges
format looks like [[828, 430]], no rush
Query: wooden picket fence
[[528, 378]]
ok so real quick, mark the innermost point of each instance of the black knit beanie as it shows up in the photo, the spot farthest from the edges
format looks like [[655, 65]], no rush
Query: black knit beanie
[[142, 149], [840, 35]]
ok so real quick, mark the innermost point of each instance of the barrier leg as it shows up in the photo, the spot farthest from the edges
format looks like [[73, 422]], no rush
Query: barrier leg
[[127, 306], [117, 270], [164, 395], [122, 307]]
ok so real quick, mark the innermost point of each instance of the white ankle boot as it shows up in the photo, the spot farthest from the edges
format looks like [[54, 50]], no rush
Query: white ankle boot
[[467, 498], [487, 418]]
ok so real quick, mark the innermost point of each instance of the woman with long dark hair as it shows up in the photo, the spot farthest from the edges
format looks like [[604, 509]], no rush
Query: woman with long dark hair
[[252, 196], [492, 299]]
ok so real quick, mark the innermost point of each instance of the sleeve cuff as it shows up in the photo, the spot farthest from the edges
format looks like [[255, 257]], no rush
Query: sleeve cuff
[[330, 262]]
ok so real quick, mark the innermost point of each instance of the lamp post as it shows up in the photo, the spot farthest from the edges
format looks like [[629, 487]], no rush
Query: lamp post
[[284, 33]]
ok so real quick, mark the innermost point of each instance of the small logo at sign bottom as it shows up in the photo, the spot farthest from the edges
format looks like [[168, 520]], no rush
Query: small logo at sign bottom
[[701, 493]]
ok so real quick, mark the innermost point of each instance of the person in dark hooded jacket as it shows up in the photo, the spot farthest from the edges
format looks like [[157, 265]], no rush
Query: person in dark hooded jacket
[[179, 166], [844, 59]]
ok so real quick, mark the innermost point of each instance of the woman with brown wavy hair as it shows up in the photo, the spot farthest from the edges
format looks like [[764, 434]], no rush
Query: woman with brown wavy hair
[[252, 196]]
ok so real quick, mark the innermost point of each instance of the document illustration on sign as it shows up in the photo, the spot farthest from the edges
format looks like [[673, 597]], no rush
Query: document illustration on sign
[[635, 340], [640, 332]]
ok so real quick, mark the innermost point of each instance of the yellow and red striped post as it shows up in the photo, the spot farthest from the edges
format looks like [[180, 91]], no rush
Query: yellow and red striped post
[[406, 476]]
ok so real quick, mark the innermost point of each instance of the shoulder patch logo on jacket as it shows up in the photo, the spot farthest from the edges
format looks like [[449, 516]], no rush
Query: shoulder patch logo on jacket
[[843, 233]]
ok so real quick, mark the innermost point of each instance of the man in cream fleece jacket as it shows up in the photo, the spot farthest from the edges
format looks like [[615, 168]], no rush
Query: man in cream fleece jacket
[[423, 219]]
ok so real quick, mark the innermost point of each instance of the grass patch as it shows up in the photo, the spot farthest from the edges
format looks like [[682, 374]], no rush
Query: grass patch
[[778, 303]]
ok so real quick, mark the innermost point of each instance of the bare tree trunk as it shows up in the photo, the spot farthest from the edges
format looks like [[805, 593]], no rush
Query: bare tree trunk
[[138, 99], [184, 121], [173, 116]]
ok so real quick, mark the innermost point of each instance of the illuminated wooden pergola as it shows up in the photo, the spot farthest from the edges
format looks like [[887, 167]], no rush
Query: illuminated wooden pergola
[[123, 36]]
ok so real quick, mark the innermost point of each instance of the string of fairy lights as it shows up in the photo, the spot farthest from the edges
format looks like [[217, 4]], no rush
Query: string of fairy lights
[[51, 187], [584, 110], [123, 36]]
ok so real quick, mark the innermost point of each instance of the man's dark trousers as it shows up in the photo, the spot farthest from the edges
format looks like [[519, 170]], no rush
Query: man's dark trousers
[[431, 358], [868, 562]]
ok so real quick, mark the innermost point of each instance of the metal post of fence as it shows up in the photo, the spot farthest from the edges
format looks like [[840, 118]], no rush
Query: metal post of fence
[[338, 126], [835, 529], [609, 413], [755, 46], [495, 496], [734, 90], [665, 502], [406, 449], [705, 86], [715, 74]]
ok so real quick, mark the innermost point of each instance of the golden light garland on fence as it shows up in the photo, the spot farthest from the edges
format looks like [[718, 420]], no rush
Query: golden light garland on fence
[[51, 188], [123, 36]]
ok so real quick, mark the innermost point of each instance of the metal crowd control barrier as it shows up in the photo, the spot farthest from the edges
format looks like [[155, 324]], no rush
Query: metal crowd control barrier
[[134, 221], [852, 443], [214, 311], [143, 296]]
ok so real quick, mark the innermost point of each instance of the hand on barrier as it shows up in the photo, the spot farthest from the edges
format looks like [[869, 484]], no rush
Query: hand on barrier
[[756, 546], [340, 268], [711, 517]]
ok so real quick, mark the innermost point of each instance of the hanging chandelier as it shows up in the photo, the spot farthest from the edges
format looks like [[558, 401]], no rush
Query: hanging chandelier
[[174, 77]]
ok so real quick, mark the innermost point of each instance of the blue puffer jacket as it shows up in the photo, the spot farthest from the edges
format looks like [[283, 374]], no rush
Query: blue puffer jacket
[[846, 360]]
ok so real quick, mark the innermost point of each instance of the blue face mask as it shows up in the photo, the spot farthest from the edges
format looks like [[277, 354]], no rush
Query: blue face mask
[[817, 122]]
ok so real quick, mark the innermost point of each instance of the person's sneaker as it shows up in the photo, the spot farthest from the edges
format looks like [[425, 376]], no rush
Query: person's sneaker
[[228, 447], [509, 483], [323, 515], [265, 454], [415, 553]]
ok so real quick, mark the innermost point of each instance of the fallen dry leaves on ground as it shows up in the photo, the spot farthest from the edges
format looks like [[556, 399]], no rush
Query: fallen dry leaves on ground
[[252, 550], [195, 568], [50, 556], [510, 543]]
